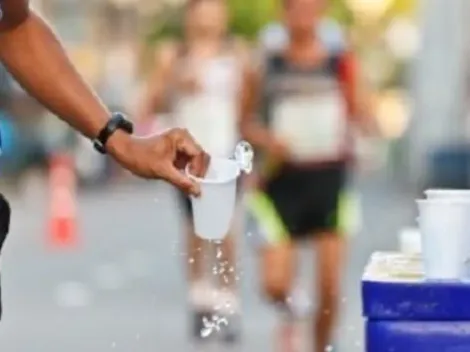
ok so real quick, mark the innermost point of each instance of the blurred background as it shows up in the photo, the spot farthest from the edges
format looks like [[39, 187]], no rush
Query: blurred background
[[117, 283]]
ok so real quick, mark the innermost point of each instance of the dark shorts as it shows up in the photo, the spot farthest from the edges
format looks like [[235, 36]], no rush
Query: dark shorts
[[301, 203], [5, 215]]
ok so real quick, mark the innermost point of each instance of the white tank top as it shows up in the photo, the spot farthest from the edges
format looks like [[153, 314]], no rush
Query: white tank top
[[211, 114]]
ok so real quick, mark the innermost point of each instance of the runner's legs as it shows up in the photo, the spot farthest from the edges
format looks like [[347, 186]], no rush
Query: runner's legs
[[330, 248], [307, 206]]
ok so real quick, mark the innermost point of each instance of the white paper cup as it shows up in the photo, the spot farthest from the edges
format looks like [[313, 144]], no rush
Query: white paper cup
[[445, 229], [447, 193], [214, 209]]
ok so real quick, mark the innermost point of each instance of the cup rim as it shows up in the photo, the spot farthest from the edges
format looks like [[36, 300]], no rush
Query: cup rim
[[213, 181], [447, 201], [441, 191]]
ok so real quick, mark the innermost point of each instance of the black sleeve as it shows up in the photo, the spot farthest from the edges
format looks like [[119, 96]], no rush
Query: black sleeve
[[5, 215], [13, 13]]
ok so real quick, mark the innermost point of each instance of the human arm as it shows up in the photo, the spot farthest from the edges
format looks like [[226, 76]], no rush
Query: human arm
[[253, 131], [155, 93], [358, 98], [33, 54]]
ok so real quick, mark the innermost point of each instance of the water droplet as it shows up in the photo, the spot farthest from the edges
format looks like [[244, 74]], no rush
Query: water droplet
[[329, 348], [205, 332], [219, 253], [113, 345], [191, 260], [244, 156]]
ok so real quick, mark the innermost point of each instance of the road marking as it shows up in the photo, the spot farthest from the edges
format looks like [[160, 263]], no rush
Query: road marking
[[109, 277], [139, 264], [73, 295]]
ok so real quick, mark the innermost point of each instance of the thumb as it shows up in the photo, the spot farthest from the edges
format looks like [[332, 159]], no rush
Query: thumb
[[183, 182]]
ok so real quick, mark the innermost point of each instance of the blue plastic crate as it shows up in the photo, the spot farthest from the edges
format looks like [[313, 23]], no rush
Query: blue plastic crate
[[402, 336], [393, 288]]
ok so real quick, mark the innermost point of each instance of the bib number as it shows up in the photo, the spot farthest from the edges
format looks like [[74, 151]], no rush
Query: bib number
[[314, 128]]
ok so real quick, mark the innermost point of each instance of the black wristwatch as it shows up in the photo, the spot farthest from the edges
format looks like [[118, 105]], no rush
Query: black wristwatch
[[117, 122]]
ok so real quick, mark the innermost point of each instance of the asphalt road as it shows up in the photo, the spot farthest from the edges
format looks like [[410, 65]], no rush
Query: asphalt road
[[122, 288]]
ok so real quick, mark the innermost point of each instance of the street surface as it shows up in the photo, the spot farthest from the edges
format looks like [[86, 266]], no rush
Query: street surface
[[122, 288]]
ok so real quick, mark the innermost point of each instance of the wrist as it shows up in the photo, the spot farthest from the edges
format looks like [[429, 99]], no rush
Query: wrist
[[118, 127], [119, 144]]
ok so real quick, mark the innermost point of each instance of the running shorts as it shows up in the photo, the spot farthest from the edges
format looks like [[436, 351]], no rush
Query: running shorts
[[5, 214], [297, 203]]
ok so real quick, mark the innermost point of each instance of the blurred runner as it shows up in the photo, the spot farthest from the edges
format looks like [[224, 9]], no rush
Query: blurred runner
[[199, 81], [274, 36], [310, 103]]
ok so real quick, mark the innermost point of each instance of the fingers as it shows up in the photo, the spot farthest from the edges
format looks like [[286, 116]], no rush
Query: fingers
[[198, 159], [199, 165], [182, 181]]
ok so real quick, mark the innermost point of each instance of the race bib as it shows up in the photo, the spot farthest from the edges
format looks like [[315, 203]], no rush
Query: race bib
[[314, 128]]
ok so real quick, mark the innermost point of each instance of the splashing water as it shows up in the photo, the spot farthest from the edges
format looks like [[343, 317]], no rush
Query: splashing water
[[213, 325], [244, 155]]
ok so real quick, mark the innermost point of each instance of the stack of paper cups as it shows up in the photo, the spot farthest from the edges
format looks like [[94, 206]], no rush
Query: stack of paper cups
[[444, 221]]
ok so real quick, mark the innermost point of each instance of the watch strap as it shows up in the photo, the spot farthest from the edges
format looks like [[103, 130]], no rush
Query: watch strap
[[116, 122]]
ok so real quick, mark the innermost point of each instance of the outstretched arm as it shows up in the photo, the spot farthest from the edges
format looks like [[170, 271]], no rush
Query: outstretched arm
[[35, 57]]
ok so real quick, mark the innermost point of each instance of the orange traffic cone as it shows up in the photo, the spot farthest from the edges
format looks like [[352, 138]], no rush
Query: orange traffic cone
[[62, 231]]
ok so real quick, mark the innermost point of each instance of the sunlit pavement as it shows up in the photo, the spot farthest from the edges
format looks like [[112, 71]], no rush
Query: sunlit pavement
[[122, 288]]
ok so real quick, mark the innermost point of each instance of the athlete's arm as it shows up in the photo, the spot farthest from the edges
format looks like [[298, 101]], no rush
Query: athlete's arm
[[250, 128], [155, 92], [35, 57], [359, 107]]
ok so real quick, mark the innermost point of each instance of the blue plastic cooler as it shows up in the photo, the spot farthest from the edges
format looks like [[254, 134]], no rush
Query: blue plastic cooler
[[405, 313]]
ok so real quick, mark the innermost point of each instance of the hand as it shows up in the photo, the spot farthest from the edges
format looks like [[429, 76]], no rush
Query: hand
[[161, 156]]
